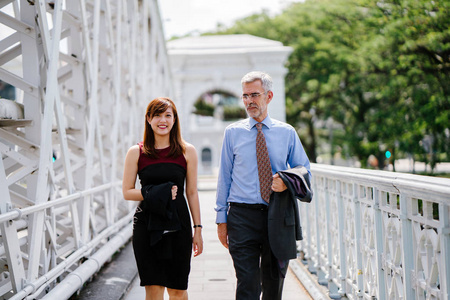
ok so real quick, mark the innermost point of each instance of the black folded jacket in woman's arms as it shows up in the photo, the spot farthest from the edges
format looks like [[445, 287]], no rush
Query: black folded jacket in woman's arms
[[161, 210]]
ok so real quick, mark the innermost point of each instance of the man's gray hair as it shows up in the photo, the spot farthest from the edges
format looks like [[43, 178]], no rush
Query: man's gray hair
[[265, 78]]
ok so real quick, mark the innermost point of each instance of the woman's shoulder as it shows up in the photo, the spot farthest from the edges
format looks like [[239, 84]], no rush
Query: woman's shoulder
[[190, 151], [189, 146], [133, 155], [134, 150]]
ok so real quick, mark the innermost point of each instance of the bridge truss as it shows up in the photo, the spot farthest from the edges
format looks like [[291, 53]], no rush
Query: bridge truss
[[84, 72]]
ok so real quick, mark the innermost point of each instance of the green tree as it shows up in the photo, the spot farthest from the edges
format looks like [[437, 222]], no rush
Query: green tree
[[380, 69], [325, 36], [414, 53]]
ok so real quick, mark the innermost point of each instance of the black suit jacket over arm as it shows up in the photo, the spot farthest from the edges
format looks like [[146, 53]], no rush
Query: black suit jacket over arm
[[283, 215]]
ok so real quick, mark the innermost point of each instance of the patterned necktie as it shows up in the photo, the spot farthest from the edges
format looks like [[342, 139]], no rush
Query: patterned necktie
[[264, 168]]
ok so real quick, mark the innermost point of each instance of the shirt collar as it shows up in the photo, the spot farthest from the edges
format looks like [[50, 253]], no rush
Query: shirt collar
[[267, 121]]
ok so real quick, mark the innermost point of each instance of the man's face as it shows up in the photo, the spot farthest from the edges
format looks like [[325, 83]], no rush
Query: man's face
[[256, 100]]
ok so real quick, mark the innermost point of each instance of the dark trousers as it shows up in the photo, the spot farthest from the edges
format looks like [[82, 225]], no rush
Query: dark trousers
[[256, 268]]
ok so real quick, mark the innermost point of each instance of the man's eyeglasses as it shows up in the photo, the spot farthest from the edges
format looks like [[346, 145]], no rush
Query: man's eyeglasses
[[252, 95]]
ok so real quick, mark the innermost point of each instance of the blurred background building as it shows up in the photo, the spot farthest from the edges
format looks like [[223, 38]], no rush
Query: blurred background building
[[207, 72]]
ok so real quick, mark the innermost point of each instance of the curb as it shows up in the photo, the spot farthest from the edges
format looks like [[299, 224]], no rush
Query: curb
[[114, 279], [316, 291]]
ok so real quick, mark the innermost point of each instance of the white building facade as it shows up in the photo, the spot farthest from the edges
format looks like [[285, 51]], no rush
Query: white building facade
[[217, 63]]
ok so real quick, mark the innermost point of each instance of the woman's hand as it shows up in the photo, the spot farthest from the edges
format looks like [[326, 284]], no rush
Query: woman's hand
[[197, 241], [174, 192]]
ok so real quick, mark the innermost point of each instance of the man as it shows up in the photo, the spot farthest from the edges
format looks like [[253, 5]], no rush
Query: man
[[241, 209]]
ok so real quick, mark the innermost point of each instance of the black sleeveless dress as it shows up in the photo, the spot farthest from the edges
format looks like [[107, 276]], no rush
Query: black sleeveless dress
[[168, 262]]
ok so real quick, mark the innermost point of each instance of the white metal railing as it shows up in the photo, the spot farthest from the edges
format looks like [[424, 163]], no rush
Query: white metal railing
[[378, 235], [84, 71]]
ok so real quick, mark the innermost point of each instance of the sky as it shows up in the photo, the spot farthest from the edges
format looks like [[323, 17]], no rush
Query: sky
[[180, 17]]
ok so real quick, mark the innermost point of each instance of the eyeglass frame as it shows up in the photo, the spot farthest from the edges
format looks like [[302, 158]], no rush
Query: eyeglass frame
[[252, 95]]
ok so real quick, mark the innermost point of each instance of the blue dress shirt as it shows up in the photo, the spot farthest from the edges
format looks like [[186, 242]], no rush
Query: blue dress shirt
[[238, 174]]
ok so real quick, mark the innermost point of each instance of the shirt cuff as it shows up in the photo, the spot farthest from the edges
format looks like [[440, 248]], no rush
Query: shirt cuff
[[221, 217]]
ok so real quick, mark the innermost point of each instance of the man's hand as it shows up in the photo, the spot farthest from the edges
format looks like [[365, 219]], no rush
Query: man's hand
[[278, 184], [222, 233]]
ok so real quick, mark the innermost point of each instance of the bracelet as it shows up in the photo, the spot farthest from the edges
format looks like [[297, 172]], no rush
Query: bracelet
[[195, 226]]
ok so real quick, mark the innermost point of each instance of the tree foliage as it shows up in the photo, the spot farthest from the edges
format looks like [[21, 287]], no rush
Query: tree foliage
[[379, 69]]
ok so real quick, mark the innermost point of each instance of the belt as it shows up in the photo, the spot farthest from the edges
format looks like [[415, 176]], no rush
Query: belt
[[250, 206]]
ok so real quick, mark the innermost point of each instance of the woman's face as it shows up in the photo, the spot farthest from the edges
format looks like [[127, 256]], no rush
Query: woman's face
[[162, 123]]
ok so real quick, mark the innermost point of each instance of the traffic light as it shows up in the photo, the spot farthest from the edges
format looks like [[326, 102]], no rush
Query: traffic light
[[387, 154]]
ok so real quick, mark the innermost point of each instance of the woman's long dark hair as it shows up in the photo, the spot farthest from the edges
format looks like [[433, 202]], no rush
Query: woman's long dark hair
[[177, 144]]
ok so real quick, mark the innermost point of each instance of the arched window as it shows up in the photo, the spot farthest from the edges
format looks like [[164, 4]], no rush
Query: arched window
[[206, 157], [221, 105]]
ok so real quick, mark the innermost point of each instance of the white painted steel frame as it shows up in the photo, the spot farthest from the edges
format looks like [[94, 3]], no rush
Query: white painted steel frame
[[84, 71], [386, 235]]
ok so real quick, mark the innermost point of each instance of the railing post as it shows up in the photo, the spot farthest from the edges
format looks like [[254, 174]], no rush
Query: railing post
[[379, 244], [444, 212], [331, 285], [342, 252], [320, 274], [407, 244], [308, 230], [358, 228]]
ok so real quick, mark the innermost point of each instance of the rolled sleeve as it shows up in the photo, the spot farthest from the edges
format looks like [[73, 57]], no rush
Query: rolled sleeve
[[221, 217]]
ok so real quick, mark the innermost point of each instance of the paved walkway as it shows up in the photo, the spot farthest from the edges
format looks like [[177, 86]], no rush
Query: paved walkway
[[212, 273]]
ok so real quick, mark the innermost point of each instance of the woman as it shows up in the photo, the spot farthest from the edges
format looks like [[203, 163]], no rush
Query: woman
[[162, 235]]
